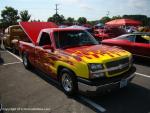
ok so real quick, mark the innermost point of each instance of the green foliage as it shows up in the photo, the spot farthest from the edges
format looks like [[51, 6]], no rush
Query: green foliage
[[148, 23], [58, 19], [82, 20], [24, 16], [116, 17], [93, 22], [9, 17], [36, 20], [105, 19], [70, 20], [141, 18]]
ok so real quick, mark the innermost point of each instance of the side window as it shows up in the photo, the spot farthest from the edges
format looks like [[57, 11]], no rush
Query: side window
[[140, 39], [45, 39], [130, 38]]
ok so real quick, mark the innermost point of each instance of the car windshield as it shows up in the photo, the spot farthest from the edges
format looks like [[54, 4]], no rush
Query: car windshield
[[67, 39]]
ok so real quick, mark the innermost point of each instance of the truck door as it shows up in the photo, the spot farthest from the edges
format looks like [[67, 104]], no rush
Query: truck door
[[43, 54]]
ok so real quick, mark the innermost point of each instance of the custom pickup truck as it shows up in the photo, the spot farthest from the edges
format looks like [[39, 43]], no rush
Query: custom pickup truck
[[75, 59]]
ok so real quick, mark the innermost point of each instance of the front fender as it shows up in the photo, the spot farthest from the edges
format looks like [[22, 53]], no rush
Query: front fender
[[79, 68]]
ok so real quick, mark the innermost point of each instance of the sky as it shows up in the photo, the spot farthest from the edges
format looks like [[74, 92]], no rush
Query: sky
[[91, 9]]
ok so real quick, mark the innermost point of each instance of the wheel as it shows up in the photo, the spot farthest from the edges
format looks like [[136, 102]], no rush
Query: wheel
[[26, 62], [68, 82], [14, 49]]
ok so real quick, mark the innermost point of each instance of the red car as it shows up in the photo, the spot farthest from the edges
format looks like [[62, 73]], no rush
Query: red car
[[108, 32], [136, 43]]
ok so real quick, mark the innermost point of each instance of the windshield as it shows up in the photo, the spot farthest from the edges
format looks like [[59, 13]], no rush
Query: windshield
[[66, 39]]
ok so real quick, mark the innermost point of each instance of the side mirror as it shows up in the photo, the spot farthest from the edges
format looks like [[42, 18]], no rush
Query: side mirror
[[48, 47]]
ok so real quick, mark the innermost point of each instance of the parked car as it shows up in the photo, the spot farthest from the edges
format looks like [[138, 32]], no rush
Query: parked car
[[75, 59], [12, 35], [90, 30], [136, 43], [108, 32]]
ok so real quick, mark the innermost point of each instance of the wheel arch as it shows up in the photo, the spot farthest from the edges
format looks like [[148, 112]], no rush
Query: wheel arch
[[61, 68]]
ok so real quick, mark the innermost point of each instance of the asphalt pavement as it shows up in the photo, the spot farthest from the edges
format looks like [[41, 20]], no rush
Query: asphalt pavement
[[24, 91]]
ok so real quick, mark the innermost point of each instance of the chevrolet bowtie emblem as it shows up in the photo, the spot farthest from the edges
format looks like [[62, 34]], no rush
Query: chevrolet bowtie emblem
[[120, 66]]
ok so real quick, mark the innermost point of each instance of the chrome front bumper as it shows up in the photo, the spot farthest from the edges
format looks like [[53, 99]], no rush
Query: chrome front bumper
[[87, 87]]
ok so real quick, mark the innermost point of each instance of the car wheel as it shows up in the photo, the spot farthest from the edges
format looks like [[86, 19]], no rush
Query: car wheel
[[26, 62], [68, 82], [14, 49]]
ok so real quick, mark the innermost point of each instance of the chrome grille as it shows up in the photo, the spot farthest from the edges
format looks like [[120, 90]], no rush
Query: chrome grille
[[117, 66]]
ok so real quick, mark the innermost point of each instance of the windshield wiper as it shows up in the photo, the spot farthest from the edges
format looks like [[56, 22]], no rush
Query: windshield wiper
[[88, 44], [69, 46]]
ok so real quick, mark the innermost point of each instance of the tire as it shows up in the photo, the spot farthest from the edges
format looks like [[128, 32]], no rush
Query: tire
[[68, 82], [26, 62], [14, 50]]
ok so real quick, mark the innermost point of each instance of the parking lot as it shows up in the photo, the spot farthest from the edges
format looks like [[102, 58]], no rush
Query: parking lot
[[21, 88]]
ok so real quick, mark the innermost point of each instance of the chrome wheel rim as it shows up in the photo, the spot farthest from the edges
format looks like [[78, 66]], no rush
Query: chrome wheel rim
[[25, 60], [66, 82]]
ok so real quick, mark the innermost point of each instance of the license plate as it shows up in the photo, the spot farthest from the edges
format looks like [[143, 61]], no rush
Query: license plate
[[123, 83]]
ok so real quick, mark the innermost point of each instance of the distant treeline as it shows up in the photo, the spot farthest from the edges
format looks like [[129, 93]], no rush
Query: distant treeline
[[10, 16]]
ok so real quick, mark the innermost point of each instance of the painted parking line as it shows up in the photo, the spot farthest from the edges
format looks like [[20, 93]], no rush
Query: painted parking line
[[93, 104], [147, 76], [15, 56], [11, 63]]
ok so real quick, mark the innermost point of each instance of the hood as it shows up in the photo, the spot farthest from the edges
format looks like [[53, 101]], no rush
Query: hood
[[32, 29], [97, 53]]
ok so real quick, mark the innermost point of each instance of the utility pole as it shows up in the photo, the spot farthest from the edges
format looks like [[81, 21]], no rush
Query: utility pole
[[108, 13], [56, 14], [56, 8]]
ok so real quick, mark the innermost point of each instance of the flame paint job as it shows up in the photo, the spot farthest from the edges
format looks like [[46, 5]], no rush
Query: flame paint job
[[76, 59]]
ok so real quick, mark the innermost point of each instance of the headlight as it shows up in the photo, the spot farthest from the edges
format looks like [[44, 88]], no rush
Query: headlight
[[94, 70], [95, 67]]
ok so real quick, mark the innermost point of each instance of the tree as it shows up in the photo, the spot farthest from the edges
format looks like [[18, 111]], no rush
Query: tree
[[58, 19], [36, 20], [9, 17], [70, 20], [82, 20], [141, 18], [24, 16], [116, 17], [148, 21], [104, 19]]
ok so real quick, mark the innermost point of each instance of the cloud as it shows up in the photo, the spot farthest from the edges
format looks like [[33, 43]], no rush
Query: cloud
[[82, 4], [86, 7], [138, 3], [70, 1]]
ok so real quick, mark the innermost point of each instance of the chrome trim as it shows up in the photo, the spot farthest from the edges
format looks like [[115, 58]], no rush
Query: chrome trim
[[120, 66], [85, 87]]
